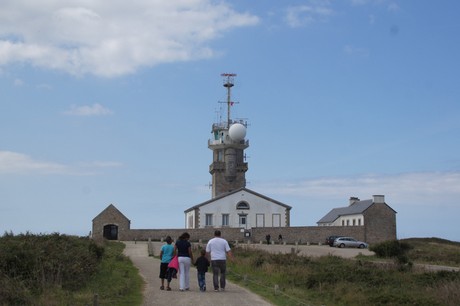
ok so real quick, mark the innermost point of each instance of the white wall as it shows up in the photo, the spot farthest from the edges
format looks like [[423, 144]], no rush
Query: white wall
[[258, 206], [358, 219]]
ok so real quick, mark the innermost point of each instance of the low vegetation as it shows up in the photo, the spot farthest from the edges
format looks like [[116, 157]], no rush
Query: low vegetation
[[65, 270], [289, 279]]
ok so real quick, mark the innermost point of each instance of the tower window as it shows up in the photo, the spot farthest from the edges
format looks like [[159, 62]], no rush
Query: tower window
[[242, 205]]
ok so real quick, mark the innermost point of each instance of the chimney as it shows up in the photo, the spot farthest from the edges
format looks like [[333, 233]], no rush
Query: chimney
[[379, 199], [353, 200]]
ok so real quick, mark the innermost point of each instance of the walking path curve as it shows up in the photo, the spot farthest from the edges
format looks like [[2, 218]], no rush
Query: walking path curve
[[149, 269]]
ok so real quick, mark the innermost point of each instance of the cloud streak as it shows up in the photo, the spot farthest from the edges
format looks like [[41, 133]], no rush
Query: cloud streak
[[115, 38], [86, 110], [18, 163], [439, 188], [302, 15]]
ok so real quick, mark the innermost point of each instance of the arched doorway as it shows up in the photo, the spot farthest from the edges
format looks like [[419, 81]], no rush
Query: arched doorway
[[111, 232]]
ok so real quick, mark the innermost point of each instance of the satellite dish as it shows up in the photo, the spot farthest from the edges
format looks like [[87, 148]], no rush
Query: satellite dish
[[237, 131]]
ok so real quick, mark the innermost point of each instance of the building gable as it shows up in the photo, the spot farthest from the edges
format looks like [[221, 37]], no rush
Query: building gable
[[112, 211]]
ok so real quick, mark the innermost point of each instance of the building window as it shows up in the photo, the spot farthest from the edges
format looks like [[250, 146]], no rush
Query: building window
[[348, 222], [343, 222], [208, 220], [276, 220], [359, 221], [354, 222], [225, 219], [242, 205]]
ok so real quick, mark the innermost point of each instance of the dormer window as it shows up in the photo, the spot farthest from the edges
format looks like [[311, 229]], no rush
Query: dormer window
[[242, 205]]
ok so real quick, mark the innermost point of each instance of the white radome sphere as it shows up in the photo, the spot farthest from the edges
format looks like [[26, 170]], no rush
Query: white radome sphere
[[237, 131]]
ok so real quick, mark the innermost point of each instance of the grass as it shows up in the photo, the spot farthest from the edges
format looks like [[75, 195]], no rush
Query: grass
[[288, 279]]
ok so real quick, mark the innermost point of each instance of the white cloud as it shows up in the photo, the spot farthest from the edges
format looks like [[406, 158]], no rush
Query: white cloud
[[86, 110], [18, 82], [302, 15], [393, 7], [11, 162], [18, 163], [352, 50], [112, 38], [433, 188]]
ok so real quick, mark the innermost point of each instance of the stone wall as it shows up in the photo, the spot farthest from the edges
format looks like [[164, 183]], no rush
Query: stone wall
[[291, 235], [380, 223]]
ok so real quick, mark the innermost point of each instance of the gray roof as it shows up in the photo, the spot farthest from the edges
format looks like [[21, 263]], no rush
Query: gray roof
[[357, 208], [235, 191]]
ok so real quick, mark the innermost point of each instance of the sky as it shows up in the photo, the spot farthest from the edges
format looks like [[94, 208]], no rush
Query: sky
[[112, 102]]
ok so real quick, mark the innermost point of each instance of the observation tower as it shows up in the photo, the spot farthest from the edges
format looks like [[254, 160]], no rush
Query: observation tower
[[228, 167]]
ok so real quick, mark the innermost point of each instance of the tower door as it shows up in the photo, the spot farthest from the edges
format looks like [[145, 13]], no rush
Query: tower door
[[111, 232]]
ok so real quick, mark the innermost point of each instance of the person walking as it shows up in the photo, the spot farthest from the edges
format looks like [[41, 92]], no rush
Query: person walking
[[202, 264], [183, 250], [166, 254], [218, 249]]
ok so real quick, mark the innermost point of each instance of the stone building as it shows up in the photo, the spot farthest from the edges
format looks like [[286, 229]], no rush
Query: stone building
[[111, 224], [374, 215]]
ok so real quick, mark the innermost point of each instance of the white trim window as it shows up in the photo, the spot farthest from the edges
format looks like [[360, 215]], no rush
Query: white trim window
[[225, 219], [208, 220]]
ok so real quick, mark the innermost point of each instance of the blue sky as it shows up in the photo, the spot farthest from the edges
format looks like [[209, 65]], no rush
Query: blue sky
[[112, 102]]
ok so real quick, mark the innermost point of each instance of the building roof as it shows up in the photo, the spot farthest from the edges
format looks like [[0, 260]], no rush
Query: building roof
[[108, 208], [356, 208], [233, 192]]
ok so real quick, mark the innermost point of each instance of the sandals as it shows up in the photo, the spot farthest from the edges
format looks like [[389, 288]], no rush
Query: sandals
[[168, 289], [162, 288]]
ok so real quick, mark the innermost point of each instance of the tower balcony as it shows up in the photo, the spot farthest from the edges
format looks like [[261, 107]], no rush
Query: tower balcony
[[216, 166], [221, 144], [220, 166]]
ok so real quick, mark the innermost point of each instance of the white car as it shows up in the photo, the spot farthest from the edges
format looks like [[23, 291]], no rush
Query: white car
[[350, 242]]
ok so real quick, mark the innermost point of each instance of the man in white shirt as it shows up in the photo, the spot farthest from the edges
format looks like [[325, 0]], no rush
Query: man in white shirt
[[218, 249]]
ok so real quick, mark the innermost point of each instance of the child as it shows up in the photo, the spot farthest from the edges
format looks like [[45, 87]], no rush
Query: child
[[202, 264], [166, 254]]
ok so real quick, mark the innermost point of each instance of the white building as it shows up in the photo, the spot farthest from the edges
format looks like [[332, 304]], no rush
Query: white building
[[352, 215], [241, 208]]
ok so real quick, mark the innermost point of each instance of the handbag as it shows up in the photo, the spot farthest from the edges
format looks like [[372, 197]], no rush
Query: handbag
[[174, 263]]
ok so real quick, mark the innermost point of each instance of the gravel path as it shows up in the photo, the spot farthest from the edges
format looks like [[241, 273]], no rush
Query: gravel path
[[149, 269]]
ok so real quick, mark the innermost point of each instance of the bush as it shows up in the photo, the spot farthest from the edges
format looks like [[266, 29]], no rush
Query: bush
[[31, 264], [390, 249]]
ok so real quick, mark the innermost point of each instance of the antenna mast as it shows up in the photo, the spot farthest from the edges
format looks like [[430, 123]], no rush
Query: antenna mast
[[228, 83]]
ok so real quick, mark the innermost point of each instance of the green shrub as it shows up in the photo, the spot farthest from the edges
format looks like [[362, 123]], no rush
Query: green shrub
[[32, 264], [391, 248]]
